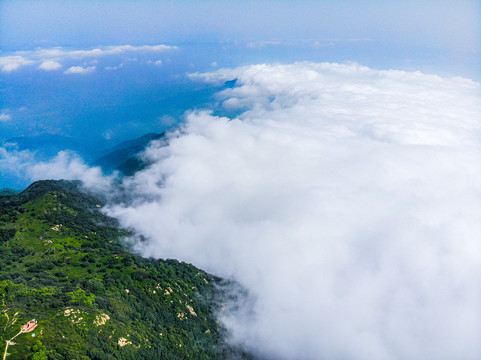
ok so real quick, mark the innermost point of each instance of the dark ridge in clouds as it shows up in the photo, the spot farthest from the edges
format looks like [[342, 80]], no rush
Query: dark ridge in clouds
[[346, 200]]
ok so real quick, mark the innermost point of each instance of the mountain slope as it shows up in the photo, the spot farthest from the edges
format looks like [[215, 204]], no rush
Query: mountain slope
[[62, 264], [124, 156]]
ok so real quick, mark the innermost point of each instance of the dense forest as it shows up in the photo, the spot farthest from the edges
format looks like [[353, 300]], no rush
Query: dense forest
[[64, 264]]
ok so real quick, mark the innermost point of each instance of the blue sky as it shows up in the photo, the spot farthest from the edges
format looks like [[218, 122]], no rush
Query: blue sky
[[450, 24]]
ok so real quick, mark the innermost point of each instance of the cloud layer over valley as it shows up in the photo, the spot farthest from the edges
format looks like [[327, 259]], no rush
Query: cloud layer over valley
[[345, 199]]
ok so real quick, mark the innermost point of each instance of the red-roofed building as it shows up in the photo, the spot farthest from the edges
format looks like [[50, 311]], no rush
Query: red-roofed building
[[32, 324]]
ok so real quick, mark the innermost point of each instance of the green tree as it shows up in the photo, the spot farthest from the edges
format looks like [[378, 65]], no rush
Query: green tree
[[39, 351]]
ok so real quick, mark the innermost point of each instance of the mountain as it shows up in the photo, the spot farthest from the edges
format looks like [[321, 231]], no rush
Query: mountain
[[64, 264], [124, 156], [7, 191]]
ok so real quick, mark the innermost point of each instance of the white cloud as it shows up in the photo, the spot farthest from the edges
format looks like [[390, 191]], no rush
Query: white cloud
[[51, 59], [108, 134], [263, 44], [167, 120], [61, 53], [65, 165], [50, 65], [110, 68], [116, 50], [79, 70], [11, 63], [157, 62], [345, 199], [4, 117]]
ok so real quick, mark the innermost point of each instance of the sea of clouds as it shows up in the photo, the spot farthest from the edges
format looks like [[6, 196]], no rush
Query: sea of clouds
[[346, 200]]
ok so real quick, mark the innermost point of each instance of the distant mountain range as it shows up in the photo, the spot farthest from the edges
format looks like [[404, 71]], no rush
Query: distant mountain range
[[7, 191]]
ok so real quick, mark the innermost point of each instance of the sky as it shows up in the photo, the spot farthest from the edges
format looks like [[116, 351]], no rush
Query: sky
[[337, 179], [446, 24], [449, 31]]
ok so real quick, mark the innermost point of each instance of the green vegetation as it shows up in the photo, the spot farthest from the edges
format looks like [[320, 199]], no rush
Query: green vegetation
[[63, 264]]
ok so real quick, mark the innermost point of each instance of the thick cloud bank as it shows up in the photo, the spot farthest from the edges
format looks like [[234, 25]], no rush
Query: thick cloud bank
[[66, 165], [346, 200]]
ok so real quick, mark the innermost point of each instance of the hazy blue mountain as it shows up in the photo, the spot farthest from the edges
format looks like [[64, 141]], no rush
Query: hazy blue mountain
[[124, 156], [7, 191]]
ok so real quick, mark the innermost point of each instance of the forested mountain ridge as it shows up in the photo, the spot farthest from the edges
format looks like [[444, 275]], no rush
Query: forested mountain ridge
[[125, 157], [63, 264]]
